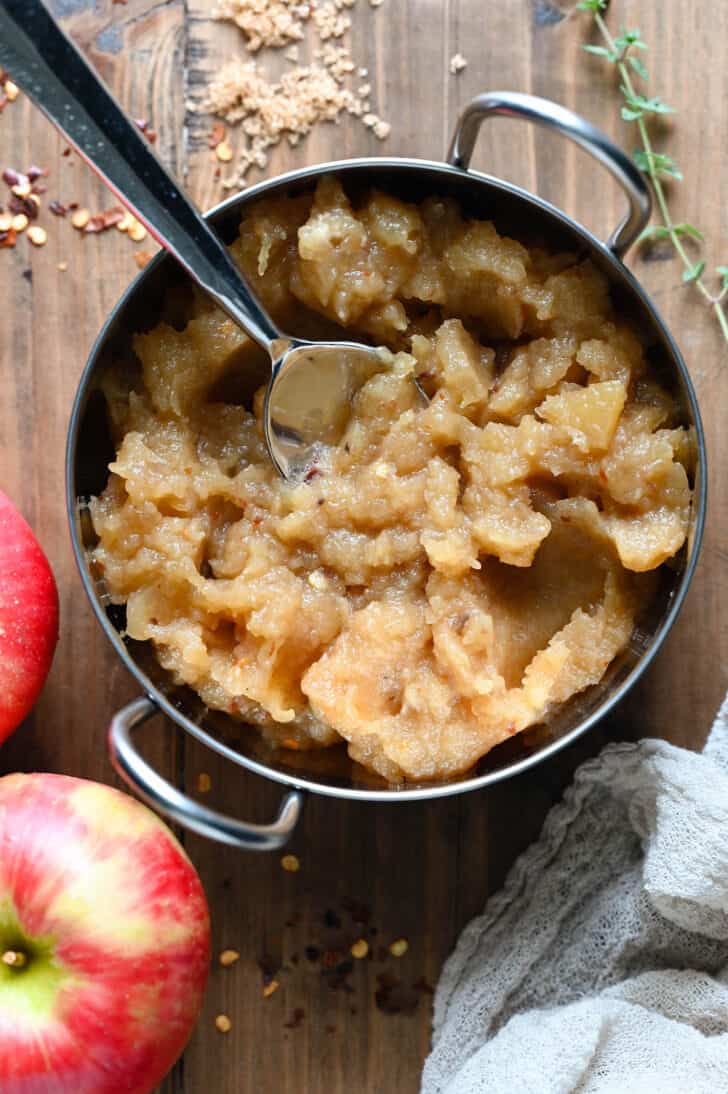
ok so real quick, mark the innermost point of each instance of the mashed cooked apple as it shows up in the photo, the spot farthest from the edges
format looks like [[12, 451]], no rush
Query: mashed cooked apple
[[454, 569]]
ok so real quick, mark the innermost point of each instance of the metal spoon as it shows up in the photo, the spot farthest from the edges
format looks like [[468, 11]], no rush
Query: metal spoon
[[311, 383]]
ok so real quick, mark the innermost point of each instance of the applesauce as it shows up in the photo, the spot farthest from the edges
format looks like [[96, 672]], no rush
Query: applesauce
[[457, 566]]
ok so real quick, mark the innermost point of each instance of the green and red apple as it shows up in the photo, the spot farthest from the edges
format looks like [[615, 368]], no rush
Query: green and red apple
[[28, 617], [104, 940]]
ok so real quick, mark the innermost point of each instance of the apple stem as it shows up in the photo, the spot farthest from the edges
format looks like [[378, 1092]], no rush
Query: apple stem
[[15, 959]]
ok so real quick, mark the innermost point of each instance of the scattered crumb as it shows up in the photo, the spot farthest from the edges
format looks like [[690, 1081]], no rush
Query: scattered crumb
[[204, 785], [266, 22], [291, 864], [381, 129], [62, 267], [270, 988], [223, 1023], [399, 947], [360, 949], [228, 958], [292, 53], [457, 63], [37, 235]]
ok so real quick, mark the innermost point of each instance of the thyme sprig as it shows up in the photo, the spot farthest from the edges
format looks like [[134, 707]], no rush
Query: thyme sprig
[[623, 51]]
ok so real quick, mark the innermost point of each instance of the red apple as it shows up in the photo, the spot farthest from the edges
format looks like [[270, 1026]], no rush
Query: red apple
[[28, 618], [104, 940]]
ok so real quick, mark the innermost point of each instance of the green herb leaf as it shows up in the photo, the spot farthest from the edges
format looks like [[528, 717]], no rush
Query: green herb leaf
[[694, 272], [629, 38], [657, 162], [723, 271], [688, 230], [639, 104], [630, 114], [592, 5], [654, 232], [600, 51], [638, 67]]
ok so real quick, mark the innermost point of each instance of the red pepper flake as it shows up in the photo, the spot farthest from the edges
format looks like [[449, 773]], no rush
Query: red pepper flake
[[7, 239], [330, 958], [23, 205], [15, 178], [217, 135], [312, 473], [142, 258], [296, 1019], [393, 997], [57, 208], [143, 125], [35, 173], [359, 912], [101, 222], [66, 151]]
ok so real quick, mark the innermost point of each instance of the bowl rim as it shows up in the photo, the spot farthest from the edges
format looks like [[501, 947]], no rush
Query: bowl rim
[[469, 782]]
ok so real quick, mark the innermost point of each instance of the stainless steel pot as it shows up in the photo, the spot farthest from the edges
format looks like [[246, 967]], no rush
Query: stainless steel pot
[[89, 451]]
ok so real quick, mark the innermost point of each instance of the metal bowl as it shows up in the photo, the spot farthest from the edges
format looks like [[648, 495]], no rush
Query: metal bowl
[[330, 771]]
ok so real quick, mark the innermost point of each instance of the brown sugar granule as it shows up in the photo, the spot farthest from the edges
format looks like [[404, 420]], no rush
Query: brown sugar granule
[[266, 22]]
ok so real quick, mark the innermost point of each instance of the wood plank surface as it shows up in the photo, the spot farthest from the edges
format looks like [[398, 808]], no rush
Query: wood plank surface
[[422, 870]]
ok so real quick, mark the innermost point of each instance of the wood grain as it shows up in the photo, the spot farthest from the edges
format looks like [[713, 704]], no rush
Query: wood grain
[[425, 869]]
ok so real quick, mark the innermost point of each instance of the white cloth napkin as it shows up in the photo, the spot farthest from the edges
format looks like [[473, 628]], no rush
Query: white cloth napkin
[[602, 965]]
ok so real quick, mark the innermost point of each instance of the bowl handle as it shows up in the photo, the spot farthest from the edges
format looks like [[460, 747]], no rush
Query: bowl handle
[[161, 795], [514, 104]]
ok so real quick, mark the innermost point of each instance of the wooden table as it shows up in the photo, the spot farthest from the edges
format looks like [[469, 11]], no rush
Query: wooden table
[[421, 870]]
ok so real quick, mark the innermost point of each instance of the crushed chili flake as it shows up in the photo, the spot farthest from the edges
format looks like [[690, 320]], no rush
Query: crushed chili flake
[[7, 238], [393, 997], [228, 958], [23, 205], [13, 177], [102, 221], [143, 125], [330, 958], [204, 783], [269, 989], [142, 258], [359, 912], [66, 152], [296, 1019], [216, 135], [35, 173], [57, 208]]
